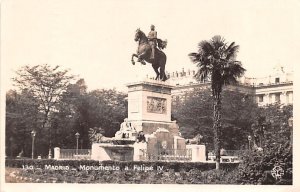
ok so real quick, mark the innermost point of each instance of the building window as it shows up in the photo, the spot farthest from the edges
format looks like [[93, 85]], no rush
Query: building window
[[277, 97], [261, 98], [277, 80]]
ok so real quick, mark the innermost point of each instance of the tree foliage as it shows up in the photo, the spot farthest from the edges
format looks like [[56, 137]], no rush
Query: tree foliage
[[45, 83], [272, 124], [22, 116], [109, 108]]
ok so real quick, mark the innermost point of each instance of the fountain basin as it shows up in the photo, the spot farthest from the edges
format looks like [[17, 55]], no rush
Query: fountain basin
[[123, 141], [109, 151]]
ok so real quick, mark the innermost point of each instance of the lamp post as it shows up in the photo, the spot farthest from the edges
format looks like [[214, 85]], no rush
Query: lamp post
[[33, 133], [249, 140], [77, 137], [290, 121], [11, 145]]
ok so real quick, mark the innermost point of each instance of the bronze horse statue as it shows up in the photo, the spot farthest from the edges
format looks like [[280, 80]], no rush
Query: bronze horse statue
[[144, 54]]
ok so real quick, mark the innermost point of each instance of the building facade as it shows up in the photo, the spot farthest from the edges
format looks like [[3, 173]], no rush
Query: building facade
[[275, 88]]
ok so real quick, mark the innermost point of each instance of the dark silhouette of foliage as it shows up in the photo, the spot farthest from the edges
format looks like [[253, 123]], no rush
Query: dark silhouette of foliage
[[194, 115]]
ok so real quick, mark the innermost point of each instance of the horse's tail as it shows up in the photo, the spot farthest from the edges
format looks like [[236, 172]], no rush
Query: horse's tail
[[162, 44]]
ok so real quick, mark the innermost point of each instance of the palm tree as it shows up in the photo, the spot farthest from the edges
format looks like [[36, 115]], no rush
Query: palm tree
[[217, 61]]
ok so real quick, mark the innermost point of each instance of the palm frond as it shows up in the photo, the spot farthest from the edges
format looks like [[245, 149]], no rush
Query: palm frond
[[232, 72], [201, 75], [195, 57], [205, 48], [231, 45], [217, 41], [232, 51]]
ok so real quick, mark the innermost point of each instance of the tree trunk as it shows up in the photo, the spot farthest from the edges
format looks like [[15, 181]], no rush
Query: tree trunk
[[217, 126]]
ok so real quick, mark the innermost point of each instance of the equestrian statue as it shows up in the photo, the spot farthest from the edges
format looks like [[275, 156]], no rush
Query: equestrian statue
[[148, 51]]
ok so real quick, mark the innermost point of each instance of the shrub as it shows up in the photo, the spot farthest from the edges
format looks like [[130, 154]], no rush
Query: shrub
[[256, 166]]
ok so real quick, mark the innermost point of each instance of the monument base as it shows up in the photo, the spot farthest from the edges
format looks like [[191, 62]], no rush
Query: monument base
[[198, 153], [148, 133], [108, 151], [149, 127]]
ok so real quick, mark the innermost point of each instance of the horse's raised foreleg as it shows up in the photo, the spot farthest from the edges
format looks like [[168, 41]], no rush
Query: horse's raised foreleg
[[139, 57], [132, 60]]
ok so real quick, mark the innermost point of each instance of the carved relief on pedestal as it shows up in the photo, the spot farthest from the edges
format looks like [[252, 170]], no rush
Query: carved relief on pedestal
[[156, 105]]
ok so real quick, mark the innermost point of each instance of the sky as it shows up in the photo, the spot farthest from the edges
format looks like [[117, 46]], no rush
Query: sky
[[95, 38]]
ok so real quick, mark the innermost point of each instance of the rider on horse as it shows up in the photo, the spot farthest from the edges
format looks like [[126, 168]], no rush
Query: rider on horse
[[148, 52], [152, 37]]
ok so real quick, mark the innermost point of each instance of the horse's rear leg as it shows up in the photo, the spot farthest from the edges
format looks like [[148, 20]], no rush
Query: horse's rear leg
[[162, 73], [156, 71]]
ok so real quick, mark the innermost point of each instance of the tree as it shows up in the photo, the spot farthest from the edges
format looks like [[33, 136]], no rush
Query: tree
[[217, 60], [72, 116], [79, 110], [107, 109], [21, 118], [194, 115], [47, 85]]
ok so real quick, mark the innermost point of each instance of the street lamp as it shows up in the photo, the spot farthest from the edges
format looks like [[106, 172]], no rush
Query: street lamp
[[290, 121], [77, 137], [11, 145], [249, 140], [33, 133]]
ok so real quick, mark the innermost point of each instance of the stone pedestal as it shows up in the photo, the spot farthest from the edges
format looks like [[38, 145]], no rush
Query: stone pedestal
[[149, 106], [56, 153], [179, 143], [149, 110], [198, 152]]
